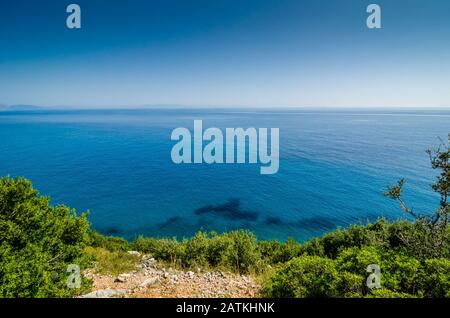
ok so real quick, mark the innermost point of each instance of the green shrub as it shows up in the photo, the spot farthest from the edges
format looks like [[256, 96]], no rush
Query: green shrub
[[332, 243], [111, 262], [275, 252], [313, 247], [244, 253], [351, 285], [355, 260], [396, 232], [196, 251], [236, 251], [38, 242], [305, 276], [220, 247], [110, 243], [400, 272], [165, 249], [436, 278], [386, 293]]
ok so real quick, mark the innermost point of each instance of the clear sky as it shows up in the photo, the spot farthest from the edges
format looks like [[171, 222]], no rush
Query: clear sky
[[253, 53]]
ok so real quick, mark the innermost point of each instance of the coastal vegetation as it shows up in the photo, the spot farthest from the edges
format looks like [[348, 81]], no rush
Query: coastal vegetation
[[39, 241]]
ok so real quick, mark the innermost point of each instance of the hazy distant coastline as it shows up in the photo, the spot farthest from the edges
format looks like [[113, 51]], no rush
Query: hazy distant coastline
[[220, 108], [20, 107]]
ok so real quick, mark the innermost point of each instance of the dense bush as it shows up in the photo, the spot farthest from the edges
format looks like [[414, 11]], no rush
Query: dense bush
[[111, 262], [275, 252], [386, 293], [242, 255], [401, 272], [111, 243], [305, 276], [348, 253], [236, 251], [376, 234], [436, 278], [165, 249], [38, 241]]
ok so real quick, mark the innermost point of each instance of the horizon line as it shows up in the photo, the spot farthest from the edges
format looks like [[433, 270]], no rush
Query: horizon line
[[16, 107]]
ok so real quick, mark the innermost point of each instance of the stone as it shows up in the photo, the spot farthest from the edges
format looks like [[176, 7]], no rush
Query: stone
[[191, 275], [149, 282], [135, 253], [105, 293], [122, 278]]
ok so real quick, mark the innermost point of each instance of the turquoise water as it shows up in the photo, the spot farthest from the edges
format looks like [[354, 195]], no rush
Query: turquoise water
[[334, 167]]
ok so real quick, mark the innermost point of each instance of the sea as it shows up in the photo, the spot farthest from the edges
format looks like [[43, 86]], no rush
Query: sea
[[335, 165]]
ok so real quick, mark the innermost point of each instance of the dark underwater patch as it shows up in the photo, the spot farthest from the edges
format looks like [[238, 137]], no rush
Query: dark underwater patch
[[313, 223], [318, 223], [111, 231], [274, 220], [170, 221], [231, 210]]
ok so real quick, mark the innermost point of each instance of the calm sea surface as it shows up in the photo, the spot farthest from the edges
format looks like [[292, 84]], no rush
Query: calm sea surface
[[334, 167]]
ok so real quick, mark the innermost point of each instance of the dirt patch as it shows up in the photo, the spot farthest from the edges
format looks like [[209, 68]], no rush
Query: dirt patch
[[149, 280]]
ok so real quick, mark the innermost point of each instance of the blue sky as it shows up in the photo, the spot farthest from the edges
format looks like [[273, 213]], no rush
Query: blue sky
[[255, 53]]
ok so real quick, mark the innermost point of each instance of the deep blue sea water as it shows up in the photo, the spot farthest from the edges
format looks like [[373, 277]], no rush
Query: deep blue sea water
[[334, 167]]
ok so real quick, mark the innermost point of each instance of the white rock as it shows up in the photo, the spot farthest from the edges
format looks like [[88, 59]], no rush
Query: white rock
[[149, 282], [122, 278], [105, 293], [190, 274], [135, 253]]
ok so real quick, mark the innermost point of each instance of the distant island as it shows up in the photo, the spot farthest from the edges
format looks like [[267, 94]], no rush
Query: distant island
[[19, 107]]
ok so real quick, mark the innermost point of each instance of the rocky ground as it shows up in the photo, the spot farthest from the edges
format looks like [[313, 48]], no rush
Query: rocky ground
[[150, 279]]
